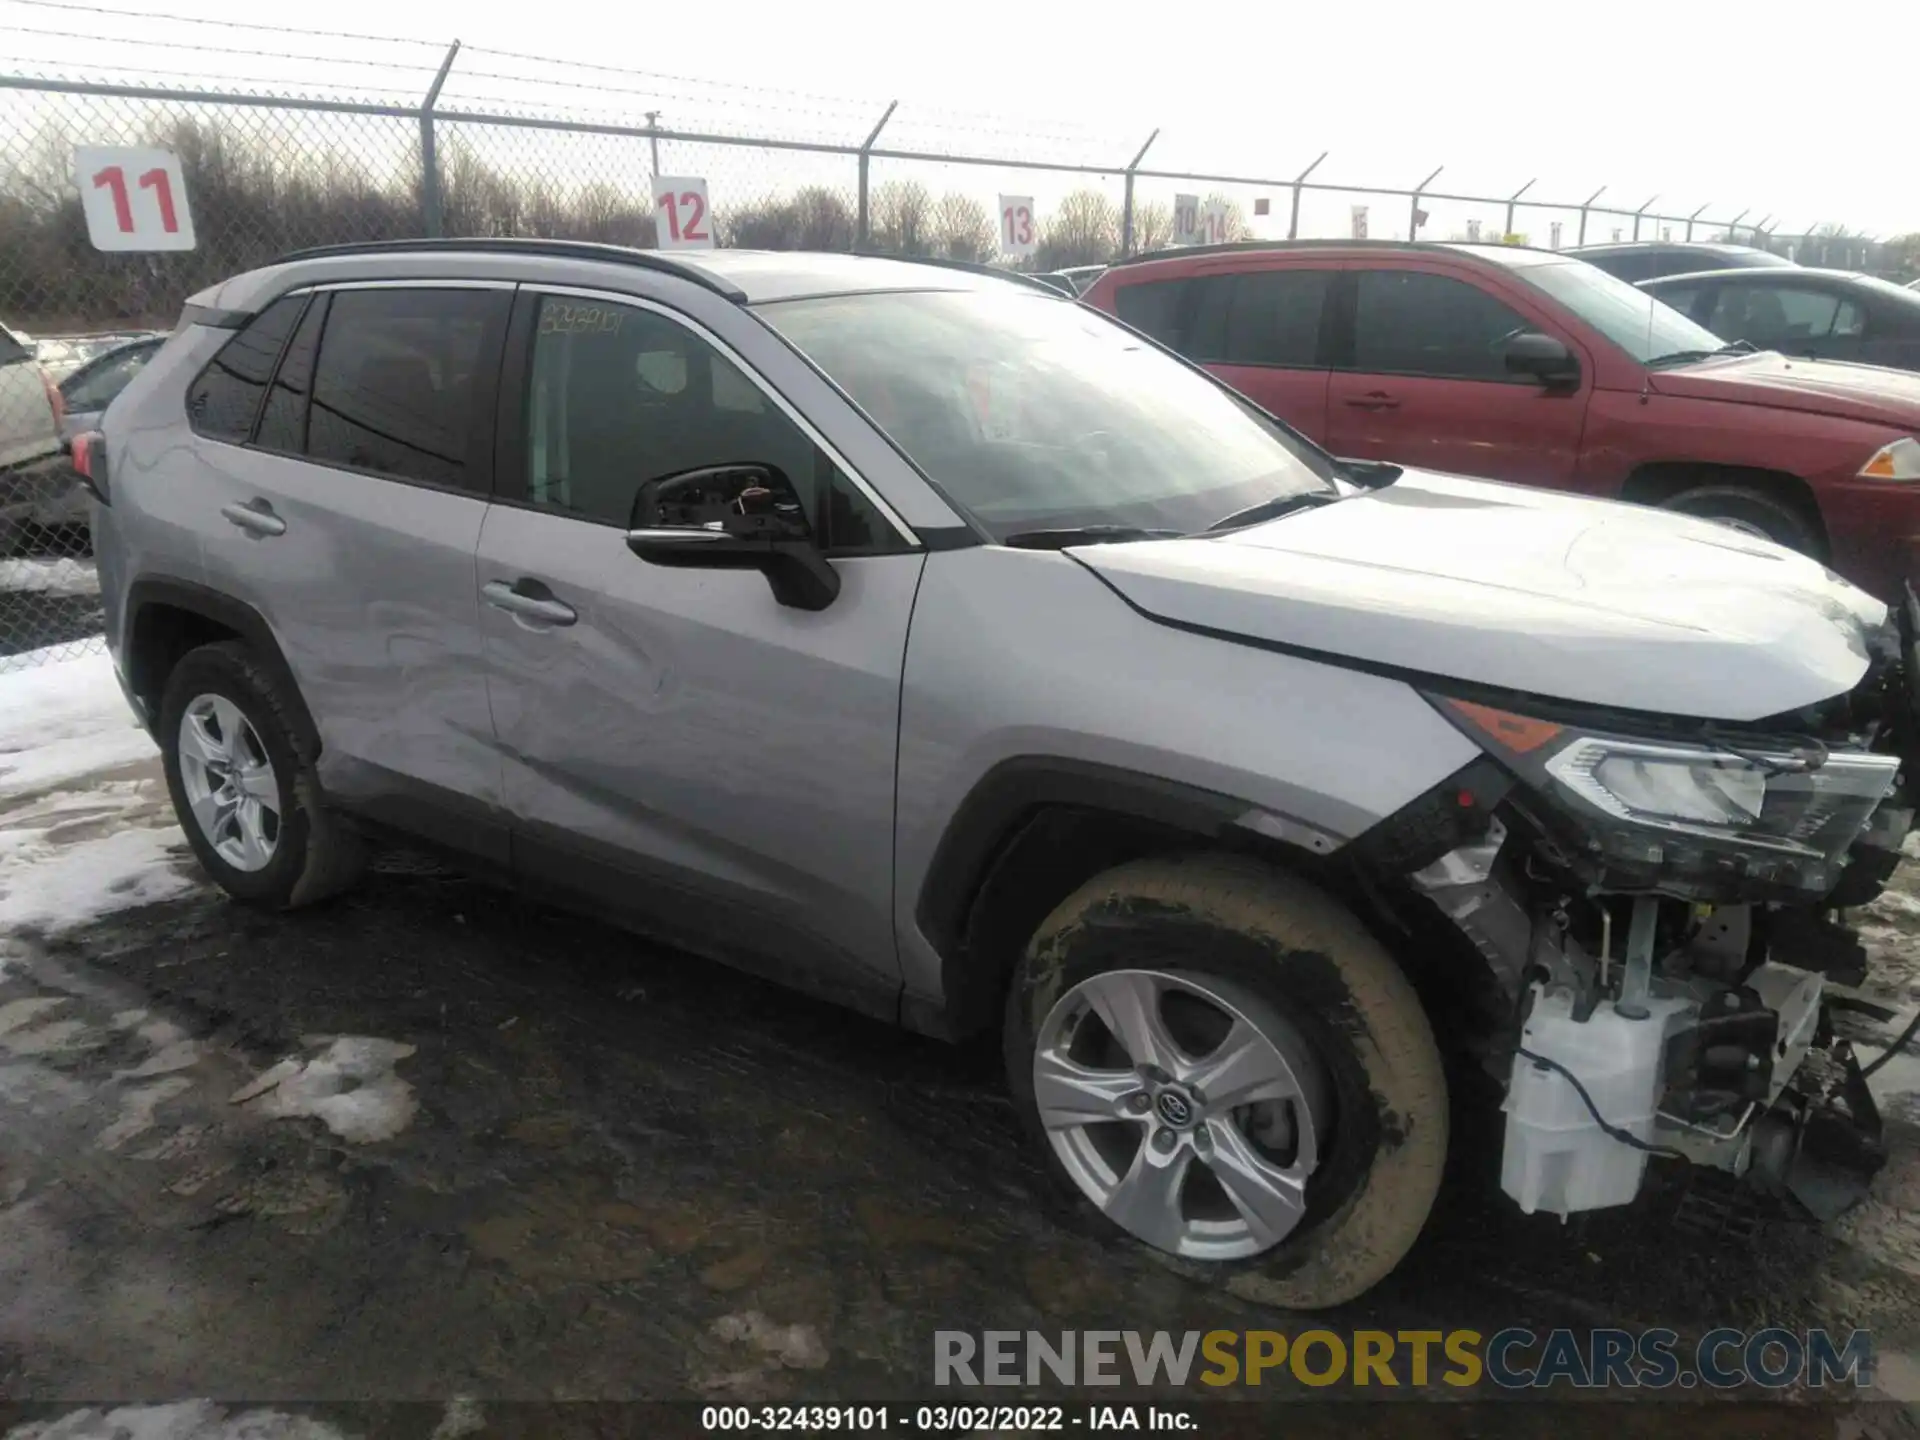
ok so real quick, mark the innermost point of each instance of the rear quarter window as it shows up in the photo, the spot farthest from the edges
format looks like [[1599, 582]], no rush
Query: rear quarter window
[[224, 397]]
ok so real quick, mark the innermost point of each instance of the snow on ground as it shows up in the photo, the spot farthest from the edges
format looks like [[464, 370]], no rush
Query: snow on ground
[[85, 825], [350, 1086], [56, 576], [61, 719]]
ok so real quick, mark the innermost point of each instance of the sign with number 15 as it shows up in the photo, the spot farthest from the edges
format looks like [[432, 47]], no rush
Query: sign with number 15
[[133, 196], [681, 219], [1019, 235]]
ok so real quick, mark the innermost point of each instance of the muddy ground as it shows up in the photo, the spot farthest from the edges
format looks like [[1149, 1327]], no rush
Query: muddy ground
[[555, 1163]]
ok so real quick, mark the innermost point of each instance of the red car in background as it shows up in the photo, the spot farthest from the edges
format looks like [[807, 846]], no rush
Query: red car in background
[[1534, 367]]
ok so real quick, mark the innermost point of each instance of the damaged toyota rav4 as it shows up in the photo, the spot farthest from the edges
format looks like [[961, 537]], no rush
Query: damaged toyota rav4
[[921, 639]]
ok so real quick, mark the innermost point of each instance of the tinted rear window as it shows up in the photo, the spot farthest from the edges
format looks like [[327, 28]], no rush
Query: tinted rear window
[[1153, 308], [394, 390], [1258, 317], [222, 402], [283, 426]]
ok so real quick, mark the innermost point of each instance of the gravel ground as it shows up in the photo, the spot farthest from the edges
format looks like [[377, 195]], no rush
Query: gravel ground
[[433, 1141]]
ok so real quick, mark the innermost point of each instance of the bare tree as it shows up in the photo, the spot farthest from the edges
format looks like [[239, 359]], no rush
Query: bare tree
[[813, 218], [962, 228], [1152, 226], [823, 220], [901, 218], [1903, 256], [1084, 230]]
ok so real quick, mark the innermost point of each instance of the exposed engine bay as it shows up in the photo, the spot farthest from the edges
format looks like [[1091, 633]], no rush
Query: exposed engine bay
[[1655, 903]]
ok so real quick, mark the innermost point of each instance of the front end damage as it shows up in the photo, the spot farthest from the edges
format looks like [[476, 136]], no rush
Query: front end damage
[[1656, 905]]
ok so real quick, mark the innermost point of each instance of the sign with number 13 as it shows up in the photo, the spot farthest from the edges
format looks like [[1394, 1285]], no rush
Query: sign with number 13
[[1019, 235], [681, 219], [133, 196]]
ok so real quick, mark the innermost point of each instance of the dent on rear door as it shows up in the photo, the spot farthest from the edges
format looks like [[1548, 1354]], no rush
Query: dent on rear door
[[370, 592]]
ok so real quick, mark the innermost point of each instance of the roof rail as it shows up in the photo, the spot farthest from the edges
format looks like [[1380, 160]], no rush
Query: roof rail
[[972, 267], [1236, 247], [530, 245]]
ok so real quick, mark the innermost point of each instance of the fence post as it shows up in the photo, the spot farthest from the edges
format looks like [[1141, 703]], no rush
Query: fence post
[[1413, 209], [1758, 226], [1638, 213], [429, 155], [1511, 200], [1693, 217], [1126, 203], [861, 234], [1293, 220], [1586, 206]]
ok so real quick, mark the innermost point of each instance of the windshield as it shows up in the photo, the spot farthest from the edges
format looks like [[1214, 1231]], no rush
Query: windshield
[[1646, 328], [1033, 413]]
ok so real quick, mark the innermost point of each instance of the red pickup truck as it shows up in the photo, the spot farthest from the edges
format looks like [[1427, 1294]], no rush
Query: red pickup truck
[[1529, 366]]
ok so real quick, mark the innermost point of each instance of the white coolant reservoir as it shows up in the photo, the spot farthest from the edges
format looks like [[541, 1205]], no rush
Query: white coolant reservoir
[[1557, 1158]]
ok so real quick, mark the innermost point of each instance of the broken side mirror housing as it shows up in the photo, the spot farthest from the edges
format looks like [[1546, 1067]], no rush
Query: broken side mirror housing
[[745, 516]]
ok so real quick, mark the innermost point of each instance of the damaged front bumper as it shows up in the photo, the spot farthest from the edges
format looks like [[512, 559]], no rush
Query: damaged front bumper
[[1665, 992]]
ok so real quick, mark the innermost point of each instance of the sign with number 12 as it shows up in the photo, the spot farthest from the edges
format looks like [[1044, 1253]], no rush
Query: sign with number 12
[[1019, 235], [134, 197], [681, 218]]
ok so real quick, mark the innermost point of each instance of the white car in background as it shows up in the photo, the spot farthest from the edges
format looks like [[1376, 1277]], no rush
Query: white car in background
[[33, 470], [29, 404]]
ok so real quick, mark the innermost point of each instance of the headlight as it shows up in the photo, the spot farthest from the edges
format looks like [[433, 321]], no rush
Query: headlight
[[1897, 461], [1668, 808], [1660, 784]]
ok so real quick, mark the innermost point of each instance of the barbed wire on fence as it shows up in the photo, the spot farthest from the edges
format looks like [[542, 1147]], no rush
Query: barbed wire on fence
[[483, 147]]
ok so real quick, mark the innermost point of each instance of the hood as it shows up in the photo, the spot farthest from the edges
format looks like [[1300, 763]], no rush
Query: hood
[[1527, 590], [1820, 387]]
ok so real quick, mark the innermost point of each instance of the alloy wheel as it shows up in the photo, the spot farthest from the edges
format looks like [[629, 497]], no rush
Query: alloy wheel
[[1184, 1107], [230, 784]]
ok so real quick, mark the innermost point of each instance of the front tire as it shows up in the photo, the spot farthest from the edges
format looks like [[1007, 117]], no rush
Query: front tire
[[244, 793], [1218, 1059], [1751, 512]]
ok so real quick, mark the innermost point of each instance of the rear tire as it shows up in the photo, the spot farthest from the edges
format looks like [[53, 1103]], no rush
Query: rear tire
[[244, 792], [1752, 512], [1277, 956]]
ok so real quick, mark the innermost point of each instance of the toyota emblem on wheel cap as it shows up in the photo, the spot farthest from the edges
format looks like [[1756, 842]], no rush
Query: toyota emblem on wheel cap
[[1174, 1108]]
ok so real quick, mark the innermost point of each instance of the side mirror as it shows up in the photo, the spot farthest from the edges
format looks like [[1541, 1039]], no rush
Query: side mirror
[[734, 517], [1542, 358]]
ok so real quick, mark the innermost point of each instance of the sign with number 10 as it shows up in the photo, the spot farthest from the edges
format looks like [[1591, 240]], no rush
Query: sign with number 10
[[133, 196], [1019, 235], [1186, 219], [681, 219]]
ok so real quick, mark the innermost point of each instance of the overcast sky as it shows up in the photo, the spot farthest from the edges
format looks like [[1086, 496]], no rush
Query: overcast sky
[[1697, 103]]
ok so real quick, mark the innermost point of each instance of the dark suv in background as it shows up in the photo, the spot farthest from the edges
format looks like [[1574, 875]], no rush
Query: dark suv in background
[[1533, 367], [1821, 314], [1649, 259]]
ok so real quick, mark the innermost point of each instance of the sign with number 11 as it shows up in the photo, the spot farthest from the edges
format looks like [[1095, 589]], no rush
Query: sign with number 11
[[134, 197]]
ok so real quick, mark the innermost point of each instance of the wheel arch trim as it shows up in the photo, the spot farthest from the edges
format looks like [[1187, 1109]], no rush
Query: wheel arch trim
[[150, 594], [998, 810]]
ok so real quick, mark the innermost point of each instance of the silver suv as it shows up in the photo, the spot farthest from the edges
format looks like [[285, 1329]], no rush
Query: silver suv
[[922, 639]]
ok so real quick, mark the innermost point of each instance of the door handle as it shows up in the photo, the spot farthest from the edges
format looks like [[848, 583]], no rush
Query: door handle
[[1374, 400], [255, 517], [516, 601]]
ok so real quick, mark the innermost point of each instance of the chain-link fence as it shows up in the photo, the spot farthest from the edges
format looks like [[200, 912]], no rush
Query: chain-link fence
[[266, 174]]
